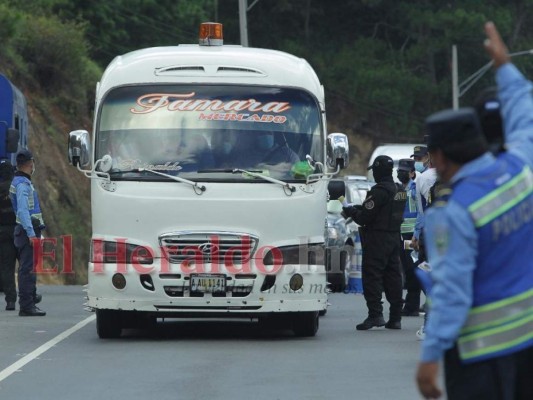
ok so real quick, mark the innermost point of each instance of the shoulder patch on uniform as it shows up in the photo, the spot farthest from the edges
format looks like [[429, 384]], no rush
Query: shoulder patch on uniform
[[442, 194], [369, 204]]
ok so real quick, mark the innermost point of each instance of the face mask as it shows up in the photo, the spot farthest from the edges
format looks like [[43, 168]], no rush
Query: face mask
[[403, 177], [419, 166], [32, 168], [265, 142]]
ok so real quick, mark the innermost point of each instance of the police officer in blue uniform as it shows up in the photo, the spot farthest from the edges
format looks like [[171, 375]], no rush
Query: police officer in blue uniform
[[27, 232], [479, 238], [379, 218], [406, 173]]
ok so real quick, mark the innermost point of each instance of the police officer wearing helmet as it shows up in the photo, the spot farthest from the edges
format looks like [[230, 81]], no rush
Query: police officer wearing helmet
[[479, 235], [380, 217], [27, 232]]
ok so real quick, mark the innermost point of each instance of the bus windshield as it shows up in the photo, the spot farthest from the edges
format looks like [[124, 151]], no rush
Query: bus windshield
[[204, 132]]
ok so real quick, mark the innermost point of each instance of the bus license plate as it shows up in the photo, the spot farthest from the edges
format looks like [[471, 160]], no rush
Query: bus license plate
[[208, 283]]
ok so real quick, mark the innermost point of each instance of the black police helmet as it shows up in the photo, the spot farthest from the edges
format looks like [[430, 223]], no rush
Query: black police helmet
[[382, 168], [382, 163]]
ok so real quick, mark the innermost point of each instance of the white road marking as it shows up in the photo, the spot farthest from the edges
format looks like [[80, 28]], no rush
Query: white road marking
[[45, 347]]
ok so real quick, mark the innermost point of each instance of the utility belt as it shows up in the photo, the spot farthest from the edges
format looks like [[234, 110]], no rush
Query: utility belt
[[36, 225]]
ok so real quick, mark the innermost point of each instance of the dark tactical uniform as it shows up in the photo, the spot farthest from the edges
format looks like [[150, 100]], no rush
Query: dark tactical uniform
[[8, 252], [380, 217]]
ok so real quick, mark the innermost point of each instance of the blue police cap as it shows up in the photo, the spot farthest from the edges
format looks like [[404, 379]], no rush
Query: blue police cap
[[406, 164], [452, 127], [419, 151], [23, 156]]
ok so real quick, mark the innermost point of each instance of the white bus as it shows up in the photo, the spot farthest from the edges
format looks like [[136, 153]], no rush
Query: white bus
[[209, 180]]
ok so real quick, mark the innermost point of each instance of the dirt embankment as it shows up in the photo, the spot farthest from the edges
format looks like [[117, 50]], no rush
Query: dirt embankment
[[364, 135], [63, 191]]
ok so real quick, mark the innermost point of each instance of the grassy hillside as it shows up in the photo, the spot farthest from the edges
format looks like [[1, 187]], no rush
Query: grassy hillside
[[48, 61], [63, 191]]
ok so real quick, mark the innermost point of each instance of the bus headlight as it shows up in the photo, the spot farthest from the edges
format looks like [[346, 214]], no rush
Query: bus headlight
[[304, 254], [120, 252]]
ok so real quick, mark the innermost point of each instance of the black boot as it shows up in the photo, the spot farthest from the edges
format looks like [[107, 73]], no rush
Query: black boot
[[371, 322], [32, 312], [410, 313], [10, 306], [393, 324]]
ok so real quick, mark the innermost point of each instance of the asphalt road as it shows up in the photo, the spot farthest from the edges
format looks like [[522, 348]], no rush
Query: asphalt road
[[60, 357]]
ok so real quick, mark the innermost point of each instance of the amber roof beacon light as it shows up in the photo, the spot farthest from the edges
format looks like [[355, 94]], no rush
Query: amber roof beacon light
[[211, 34]]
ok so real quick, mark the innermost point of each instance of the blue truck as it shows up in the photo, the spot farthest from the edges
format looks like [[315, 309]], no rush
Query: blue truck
[[13, 120], [13, 123]]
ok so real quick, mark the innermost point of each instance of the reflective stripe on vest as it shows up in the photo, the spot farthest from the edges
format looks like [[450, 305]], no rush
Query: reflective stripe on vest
[[408, 225], [497, 326], [502, 199]]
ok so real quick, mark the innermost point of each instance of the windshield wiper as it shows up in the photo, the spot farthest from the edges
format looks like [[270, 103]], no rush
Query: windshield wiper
[[224, 171], [252, 172], [285, 185], [197, 188]]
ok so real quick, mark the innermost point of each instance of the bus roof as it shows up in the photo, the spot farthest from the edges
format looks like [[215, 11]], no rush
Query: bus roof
[[226, 64]]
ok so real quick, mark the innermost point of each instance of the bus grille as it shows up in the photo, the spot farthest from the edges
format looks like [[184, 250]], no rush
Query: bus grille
[[208, 247]]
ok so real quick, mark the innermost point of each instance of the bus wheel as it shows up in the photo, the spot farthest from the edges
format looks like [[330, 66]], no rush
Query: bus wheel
[[305, 324], [108, 324]]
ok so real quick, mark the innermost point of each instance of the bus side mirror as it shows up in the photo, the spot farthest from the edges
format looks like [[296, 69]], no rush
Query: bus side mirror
[[337, 150], [79, 148], [336, 189], [12, 140]]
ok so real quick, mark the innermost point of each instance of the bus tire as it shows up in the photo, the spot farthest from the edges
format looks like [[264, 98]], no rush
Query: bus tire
[[305, 324], [108, 324]]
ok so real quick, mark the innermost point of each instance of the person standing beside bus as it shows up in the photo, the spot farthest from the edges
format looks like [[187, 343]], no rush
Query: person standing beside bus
[[27, 232], [380, 217]]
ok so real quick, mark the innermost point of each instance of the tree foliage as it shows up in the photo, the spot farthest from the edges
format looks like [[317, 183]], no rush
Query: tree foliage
[[385, 64], [390, 58]]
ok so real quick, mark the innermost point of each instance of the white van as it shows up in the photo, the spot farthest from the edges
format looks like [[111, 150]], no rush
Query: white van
[[396, 151], [209, 170]]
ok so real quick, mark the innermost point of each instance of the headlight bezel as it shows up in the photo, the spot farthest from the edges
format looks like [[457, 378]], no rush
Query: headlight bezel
[[308, 254], [120, 252]]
